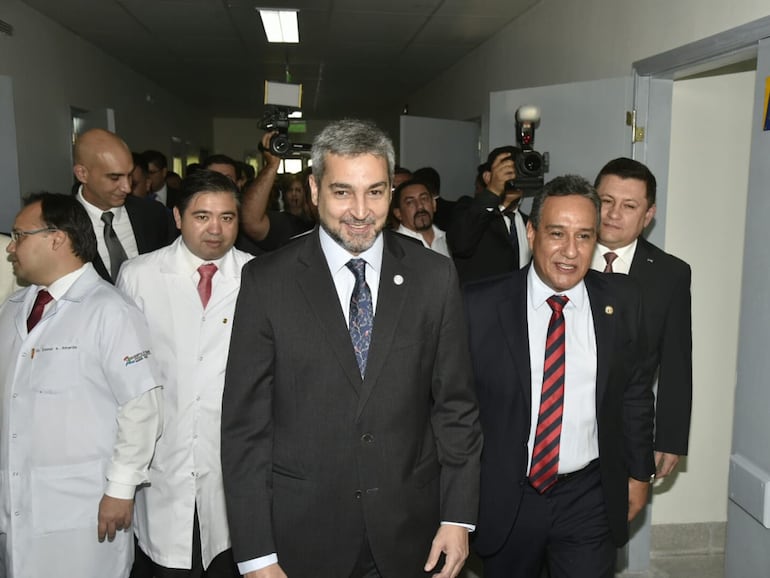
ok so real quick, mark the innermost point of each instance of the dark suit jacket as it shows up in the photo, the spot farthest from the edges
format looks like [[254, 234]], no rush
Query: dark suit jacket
[[497, 317], [312, 456], [153, 228], [478, 239], [665, 284]]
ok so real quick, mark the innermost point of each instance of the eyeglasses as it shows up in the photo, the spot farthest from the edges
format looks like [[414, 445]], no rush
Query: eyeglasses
[[17, 235]]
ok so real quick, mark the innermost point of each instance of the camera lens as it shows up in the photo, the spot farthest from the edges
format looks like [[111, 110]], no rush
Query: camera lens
[[279, 144], [531, 164]]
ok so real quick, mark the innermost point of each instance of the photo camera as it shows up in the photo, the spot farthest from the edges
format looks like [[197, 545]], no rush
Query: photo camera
[[531, 165], [281, 100]]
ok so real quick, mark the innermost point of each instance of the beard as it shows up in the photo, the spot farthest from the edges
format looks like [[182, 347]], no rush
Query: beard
[[352, 242], [422, 220]]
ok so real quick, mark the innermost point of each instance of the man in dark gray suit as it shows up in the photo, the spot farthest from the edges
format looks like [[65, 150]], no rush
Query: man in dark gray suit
[[350, 435]]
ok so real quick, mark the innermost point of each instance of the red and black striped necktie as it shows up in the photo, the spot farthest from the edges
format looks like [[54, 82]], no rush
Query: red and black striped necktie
[[545, 453]]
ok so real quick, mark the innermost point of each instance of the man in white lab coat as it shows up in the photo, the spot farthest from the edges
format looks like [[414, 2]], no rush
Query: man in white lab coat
[[187, 292], [80, 403]]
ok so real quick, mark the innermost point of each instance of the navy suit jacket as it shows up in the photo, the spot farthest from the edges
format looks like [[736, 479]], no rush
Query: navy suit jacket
[[497, 316]]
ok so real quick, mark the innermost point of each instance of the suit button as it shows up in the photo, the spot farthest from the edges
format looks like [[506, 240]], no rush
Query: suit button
[[358, 494], [367, 438]]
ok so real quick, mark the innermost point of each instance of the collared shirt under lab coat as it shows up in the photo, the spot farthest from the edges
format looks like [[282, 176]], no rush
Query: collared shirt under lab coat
[[63, 388], [191, 347]]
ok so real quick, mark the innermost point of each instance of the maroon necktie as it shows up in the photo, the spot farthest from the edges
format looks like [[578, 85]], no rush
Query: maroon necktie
[[43, 298], [204, 285], [609, 256], [545, 453]]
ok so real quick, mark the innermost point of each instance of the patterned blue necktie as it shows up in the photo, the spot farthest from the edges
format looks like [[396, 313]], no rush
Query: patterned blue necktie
[[361, 314]]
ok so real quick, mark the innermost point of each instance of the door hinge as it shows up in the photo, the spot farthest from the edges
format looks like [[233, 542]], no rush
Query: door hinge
[[637, 132]]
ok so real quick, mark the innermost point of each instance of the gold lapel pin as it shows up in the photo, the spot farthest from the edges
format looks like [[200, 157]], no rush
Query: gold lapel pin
[[609, 309]]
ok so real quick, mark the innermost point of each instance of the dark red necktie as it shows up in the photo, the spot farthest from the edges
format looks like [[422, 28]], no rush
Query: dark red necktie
[[43, 298], [609, 256], [545, 453], [204, 284]]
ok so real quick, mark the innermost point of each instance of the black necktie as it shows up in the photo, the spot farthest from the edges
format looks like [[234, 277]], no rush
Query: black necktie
[[114, 248], [513, 237]]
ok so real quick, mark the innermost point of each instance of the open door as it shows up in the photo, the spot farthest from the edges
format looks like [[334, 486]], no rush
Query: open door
[[10, 194]]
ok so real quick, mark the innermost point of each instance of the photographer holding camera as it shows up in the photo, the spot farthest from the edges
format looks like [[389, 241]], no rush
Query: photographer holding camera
[[263, 230], [487, 235]]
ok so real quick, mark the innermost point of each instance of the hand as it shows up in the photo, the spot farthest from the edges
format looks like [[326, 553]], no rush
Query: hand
[[270, 159], [501, 171], [452, 540], [114, 516], [637, 497], [665, 464], [272, 571]]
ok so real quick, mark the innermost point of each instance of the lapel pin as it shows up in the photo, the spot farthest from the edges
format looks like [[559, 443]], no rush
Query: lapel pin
[[224, 320], [649, 260], [609, 309], [398, 280]]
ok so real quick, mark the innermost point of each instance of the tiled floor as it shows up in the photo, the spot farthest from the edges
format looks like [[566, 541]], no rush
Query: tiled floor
[[701, 566], [711, 566]]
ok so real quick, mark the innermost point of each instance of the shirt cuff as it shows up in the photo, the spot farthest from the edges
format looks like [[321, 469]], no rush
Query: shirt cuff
[[469, 527], [257, 563], [120, 491]]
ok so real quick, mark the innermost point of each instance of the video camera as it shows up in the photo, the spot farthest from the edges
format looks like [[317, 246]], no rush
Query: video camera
[[281, 100], [531, 165], [276, 118]]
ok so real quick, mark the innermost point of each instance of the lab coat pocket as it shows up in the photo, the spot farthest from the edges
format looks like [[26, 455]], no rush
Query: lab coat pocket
[[66, 497]]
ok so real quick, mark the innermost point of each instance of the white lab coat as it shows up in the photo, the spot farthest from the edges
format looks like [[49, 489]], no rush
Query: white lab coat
[[191, 347], [61, 388]]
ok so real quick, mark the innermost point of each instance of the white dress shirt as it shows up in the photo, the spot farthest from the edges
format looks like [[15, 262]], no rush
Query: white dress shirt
[[439, 244], [579, 443], [161, 195], [621, 264], [121, 223]]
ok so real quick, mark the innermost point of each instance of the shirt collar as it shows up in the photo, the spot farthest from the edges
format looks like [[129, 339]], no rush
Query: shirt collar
[[625, 254], [539, 292], [337, 256], [95, 212], [192, 261], [59, 288]]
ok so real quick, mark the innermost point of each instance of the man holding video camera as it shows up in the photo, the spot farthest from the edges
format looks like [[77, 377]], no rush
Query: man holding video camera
[[487, 236]]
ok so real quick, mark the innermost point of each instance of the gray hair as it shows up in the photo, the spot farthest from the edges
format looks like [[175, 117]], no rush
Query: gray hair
[[562, 187], [351, 138]]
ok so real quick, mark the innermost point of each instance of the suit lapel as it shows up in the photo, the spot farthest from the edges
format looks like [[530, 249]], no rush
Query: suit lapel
[[603, 309], [390, 303], [317, 286], [642, 261], [513, 319]]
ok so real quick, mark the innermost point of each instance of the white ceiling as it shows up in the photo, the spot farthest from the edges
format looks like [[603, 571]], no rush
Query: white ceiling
[[355, 57]]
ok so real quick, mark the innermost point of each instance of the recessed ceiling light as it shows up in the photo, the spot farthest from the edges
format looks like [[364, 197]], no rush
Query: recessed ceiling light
[[280, 25]]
